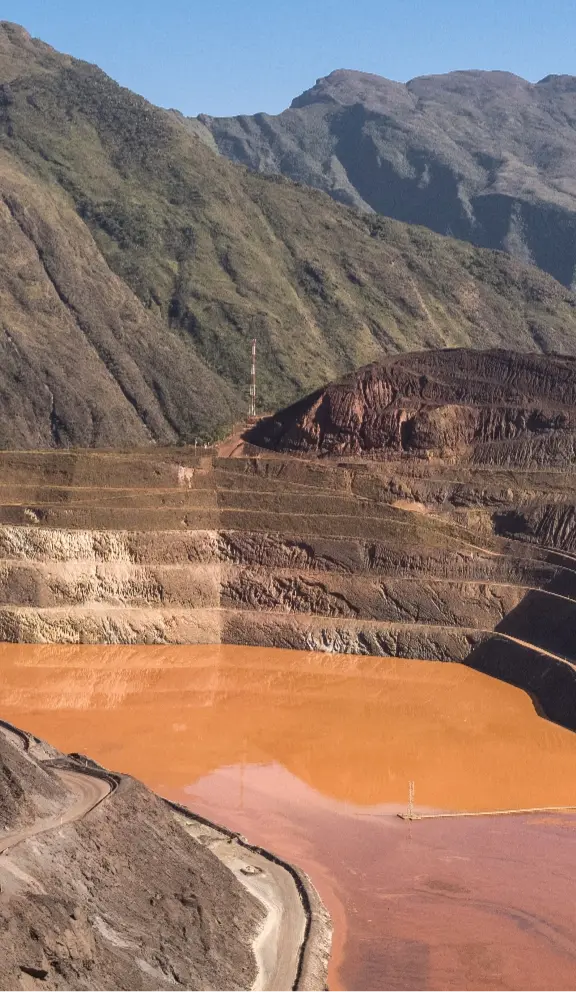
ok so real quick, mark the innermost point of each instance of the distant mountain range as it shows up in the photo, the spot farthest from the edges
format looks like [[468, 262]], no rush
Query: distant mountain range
[[136, 265], [483, 156]]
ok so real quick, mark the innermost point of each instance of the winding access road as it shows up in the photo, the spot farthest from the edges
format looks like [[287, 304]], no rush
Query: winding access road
[[278, 946], [89, 791]]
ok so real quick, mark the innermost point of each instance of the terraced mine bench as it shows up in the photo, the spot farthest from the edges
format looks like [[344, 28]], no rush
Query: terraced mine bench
[[169, 546]]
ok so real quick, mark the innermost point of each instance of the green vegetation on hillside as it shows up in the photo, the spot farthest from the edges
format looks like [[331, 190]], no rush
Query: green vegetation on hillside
[[215, 255], [483, 156]]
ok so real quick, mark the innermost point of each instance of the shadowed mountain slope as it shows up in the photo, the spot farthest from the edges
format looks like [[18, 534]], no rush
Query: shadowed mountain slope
[[136, 265], [483, 156]]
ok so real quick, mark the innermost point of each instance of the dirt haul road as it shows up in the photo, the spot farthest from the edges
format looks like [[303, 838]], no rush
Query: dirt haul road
[[279, 944], [89, 791]]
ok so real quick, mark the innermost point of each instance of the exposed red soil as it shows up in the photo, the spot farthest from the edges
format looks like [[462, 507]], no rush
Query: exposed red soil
[[442, 403]]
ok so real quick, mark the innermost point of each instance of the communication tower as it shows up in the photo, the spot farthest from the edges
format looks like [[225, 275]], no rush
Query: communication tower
[[252, 404]]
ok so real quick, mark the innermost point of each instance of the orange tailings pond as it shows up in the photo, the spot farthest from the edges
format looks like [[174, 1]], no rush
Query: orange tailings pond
[[311, 755]]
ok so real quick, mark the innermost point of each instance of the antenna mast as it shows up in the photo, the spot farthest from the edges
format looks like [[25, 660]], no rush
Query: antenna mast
[[252, 404]]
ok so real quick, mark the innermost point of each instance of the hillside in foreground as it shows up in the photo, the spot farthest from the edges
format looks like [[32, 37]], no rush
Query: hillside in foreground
[[84, 904], [136, 265], [483, 156], [106, 886]]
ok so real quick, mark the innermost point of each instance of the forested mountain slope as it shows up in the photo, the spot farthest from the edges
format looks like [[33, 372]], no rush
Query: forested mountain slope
[[136, 264]]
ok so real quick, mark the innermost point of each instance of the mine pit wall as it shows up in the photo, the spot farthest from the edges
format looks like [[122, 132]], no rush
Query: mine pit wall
[[209, 586], [550, 682], [170, 547], [362, 637]]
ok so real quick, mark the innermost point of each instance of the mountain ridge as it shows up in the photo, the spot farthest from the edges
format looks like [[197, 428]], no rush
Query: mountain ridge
[[482, 155]]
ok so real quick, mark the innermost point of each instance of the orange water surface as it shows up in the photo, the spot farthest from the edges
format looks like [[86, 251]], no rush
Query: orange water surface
[[312, 754]]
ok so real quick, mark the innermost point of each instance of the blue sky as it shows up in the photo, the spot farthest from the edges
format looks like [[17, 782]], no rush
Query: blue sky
[[226, 57]]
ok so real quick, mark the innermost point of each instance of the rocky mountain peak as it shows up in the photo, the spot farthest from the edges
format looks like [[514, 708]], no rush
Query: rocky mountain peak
[[559, 83], [15, 31], [481, 155], [20, 52], [348, 87]]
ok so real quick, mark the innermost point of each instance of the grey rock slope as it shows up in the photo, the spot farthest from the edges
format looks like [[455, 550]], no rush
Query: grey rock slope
[[484, 156]]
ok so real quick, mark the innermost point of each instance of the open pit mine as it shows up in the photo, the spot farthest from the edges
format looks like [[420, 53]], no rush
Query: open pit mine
[[421, 508]]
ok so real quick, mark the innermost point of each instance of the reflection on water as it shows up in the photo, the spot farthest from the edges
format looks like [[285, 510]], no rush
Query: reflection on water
[[310, 754]]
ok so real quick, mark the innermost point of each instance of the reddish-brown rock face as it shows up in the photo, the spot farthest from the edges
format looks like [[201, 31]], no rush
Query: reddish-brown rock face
[[439, 403]]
